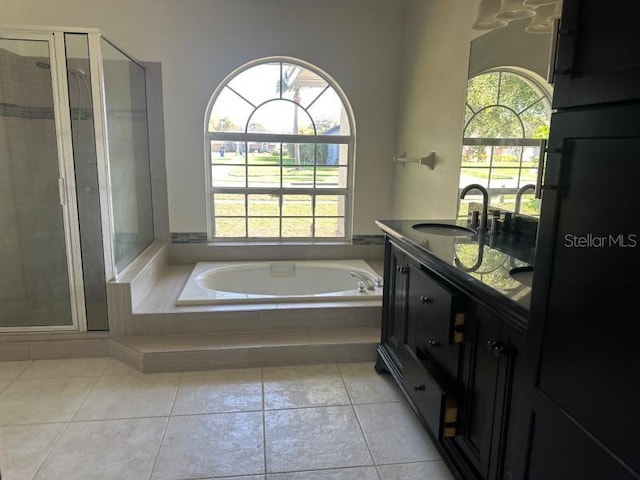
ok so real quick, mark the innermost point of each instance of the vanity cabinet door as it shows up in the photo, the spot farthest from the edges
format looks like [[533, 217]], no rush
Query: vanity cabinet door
[[597, 60], [483, 384], [395, 301]]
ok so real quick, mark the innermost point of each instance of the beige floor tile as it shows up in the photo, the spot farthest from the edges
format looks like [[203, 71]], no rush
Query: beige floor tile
[[23, 448], [108, 449], [365, 385], [435, 470], [243, 477], [130, 396], [10, 370], [303, 386], [75, 367], [314, 438], [394, 434], [117, 368], [357, 473], [43, 400], [201, 446], [219, 391], [4, 384]]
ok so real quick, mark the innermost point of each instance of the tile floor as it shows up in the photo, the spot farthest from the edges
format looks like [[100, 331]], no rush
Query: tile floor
[[99, 419]]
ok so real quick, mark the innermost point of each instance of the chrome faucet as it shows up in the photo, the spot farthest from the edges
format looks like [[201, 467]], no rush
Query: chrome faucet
[[485, 202], [367, 281], [519, 193]]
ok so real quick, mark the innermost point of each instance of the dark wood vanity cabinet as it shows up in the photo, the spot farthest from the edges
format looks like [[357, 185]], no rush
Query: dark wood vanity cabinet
[[597, 60], [396, 280], [457, 361]]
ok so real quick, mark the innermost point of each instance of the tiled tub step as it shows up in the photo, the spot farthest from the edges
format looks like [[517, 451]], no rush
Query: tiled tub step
[[257, 318], [228, 350]]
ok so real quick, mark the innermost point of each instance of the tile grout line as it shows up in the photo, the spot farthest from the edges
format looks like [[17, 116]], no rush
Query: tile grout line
[[26, 367], [34, 363], [264, 425], [11, 381], [166, 426], [353, 409], [91, 390], [330, 469], [68, 423], [51, 449]]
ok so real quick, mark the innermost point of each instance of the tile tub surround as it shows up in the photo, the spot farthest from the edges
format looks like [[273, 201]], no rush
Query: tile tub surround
[[275, 423], [158, 336]]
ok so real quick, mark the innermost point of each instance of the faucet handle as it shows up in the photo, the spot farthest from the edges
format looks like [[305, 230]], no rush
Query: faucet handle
[[475, 215], [493, 225]]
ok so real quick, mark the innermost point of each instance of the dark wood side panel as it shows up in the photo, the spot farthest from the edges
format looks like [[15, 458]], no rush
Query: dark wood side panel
[[561, 449]]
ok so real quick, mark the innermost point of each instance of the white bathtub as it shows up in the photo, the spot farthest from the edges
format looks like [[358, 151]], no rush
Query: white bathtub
[[275, 282]]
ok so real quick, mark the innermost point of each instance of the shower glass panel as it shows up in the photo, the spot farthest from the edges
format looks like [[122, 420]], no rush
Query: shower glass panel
[[128, 144], [86, 176], [34, 278]]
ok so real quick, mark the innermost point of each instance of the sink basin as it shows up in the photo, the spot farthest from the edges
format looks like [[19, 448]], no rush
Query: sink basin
[[523, 275], [443, 229]]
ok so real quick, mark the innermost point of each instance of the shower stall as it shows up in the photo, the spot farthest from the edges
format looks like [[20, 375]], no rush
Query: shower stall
[[75, 181]]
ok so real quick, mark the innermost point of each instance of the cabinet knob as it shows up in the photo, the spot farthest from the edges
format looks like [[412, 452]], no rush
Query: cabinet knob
[[496, 347], [424, 299], [419, 388], [402, 270], [433, 343]]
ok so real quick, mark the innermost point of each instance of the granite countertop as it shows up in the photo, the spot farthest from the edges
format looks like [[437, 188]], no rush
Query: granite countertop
[[481, 263]]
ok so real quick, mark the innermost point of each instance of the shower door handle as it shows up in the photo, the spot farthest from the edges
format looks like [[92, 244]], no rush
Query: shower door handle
[[62, 191]]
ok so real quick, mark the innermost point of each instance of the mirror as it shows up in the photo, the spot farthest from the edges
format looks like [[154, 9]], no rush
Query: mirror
[[507, 116]]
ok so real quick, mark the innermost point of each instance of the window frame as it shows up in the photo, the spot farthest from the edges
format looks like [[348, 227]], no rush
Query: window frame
[[544, 96], [269, 138]]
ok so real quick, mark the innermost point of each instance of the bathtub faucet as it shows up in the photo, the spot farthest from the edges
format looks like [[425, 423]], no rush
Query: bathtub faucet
[[368, 282]]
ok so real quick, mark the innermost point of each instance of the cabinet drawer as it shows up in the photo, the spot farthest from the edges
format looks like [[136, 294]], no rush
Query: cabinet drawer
[[434, 316], [430, 395]]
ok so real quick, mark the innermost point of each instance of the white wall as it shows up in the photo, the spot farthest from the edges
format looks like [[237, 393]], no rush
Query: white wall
[[434, 81], [511, 46], [199, 42]]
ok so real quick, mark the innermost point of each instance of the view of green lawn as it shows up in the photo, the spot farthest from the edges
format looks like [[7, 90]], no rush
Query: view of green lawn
[[504, 172], [277, 215]]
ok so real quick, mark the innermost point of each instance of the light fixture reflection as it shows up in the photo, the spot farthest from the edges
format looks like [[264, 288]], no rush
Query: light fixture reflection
[[538, 3], [486, 16], [514, 10], [541, 23]]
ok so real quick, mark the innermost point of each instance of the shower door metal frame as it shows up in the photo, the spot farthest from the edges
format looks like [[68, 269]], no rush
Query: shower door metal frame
[[68, 200], [102, 153], [102, 148]]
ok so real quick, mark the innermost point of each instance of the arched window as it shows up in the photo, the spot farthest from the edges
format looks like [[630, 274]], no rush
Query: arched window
[[506, 117], [279, 148]]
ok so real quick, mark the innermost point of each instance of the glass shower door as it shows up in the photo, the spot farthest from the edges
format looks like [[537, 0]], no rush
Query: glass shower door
[[38, 286]]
